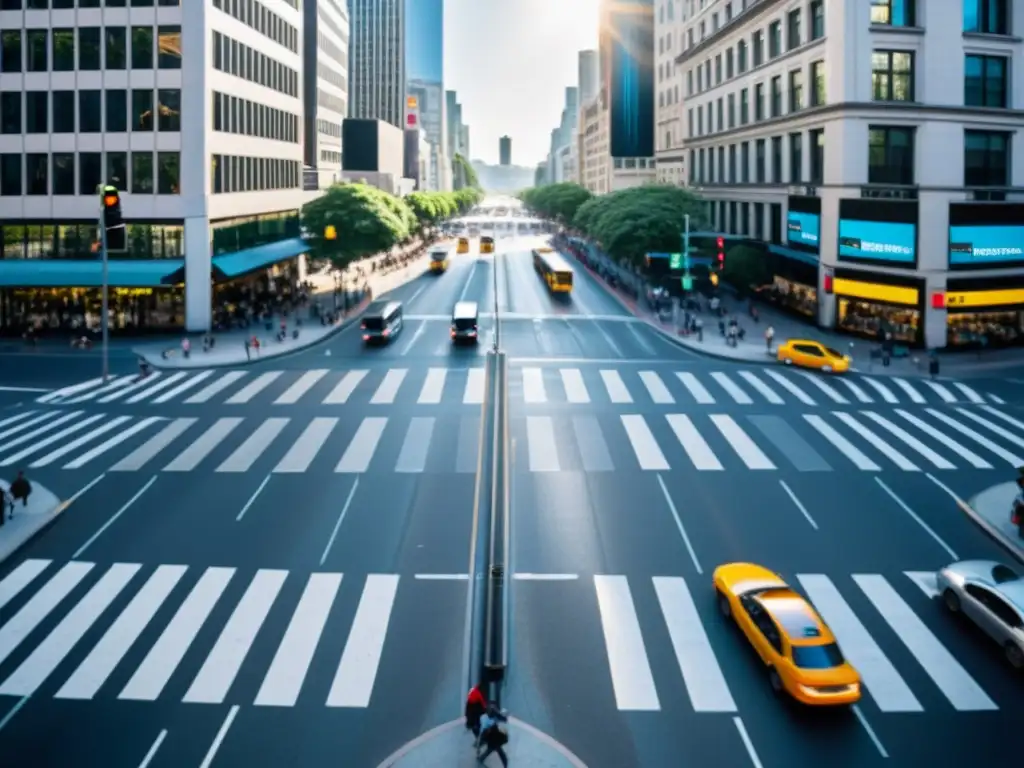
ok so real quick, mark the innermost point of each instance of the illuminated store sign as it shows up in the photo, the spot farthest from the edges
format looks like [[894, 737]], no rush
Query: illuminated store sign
[[877, 241], [802, 228], [986, 244]]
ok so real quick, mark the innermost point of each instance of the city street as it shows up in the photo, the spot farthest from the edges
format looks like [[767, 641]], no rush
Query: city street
[[269, 564]]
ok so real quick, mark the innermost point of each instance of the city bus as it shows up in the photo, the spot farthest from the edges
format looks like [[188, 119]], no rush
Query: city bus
[[463, 246], [555, 270], [438, 260], [486, 244]]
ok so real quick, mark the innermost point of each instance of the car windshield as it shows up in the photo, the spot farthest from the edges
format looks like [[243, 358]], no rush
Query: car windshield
[[1001, 574], [832, 353], [817, 656]]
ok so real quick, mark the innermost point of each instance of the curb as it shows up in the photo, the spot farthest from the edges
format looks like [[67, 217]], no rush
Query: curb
[[1008, 545], [53, 516]]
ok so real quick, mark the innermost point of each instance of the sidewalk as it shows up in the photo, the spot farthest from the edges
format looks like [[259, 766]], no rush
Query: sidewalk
[[43, 508], [451, 746], [990, 509], [230, 347]]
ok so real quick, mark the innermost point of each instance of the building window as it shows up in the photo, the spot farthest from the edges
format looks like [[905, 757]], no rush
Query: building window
[[168, 173], [818, 83], [90, 172], [890, 155], [989, 17], [744, 107], [142, 47], [893, 13], [63, 111], [793, 30], [776, 160], [776, 96], [10, 175], [759, 161], [169, 47], [985, 81], [115, 45], [986, 159], [117, 111], [90, 112], [758, 48], [10, 50], [729, 64], [718, 69], [142, 173], [892, 76], [732, 163], [817, 143], [774, 39], [37, 111], [64, 173], [142, 109], [741, 56], [63, 50], [117, 170], [744, 165], [89, 48], [38, 50], [37, 173], [796, 158], [796, 90], [732, 110], [10, 113], [169, 109], [817, 19], [759, 102]]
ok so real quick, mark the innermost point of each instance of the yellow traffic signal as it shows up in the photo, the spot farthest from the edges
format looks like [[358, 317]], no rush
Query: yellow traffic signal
[[110, 200], [714, 278], [330, 233]]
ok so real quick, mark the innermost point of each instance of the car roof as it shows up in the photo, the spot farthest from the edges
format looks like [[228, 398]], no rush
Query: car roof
[[465, 309], [795, 617], [382, 306]]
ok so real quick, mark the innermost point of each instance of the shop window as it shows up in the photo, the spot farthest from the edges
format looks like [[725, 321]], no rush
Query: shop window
[[142, 110], [117, 170], [10, 175], [38, 50], [90, 172], [64, 173], [986, 159], [89, 48], [116, 111], [892, 76], [63, 111], [890, 155], [63, 50], [115, 43], [142, 48], [875, 320], [89, 3], [231, 235], [142, 172], [10, 51], [10, 112], [169, 47], [90, 113], [170, 109], [985, 81], [893, 13], [168, 173], [37, 112], [989, 17]]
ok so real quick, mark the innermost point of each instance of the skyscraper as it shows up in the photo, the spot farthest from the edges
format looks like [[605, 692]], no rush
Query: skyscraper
[[505, 150], [589, 75], [424, 73], [377, 60], [325, 33]]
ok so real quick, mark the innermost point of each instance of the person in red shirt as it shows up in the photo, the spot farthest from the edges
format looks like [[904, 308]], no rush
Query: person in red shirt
[[476, 705]]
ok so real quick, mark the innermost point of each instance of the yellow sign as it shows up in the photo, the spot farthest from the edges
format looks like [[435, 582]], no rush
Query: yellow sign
[[891, 294], [330, 233], [410, 102], [965, 299]]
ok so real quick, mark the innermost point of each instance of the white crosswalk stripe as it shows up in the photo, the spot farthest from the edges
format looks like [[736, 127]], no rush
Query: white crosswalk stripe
[[824, 386], [968, 455], [617, 391], [135, 386], [740, 441], [533, 386], [937, 461], [879, 444], [433, 387], [648, 454], [941, 391], [105, 618], [184, 386], [575, 389], [344, 388], [656, 387], [305, 383], [914, 395], [737, 394], [763, 389], [859, 393], [16, 458], [848, 449], [357, 456], [159, 386], [215, 387], [793, 389], [881, 389], [253, 388]]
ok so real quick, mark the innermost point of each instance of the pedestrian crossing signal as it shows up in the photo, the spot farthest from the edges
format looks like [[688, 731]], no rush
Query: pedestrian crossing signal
[[112, 220]]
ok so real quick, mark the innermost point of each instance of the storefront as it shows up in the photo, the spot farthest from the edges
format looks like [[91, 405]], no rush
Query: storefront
[[251, 283], [794, 267], [872, 305], [985, 313]]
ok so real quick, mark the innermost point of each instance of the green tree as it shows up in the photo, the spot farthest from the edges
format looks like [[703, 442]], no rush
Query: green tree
[[365, 221], [556, 201], [466, 198], [431, 208], [463, 174], [746, 267]]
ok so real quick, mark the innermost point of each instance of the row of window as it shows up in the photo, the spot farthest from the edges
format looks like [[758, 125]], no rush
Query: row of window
[[328, 128], [256, 15], [327, 46], [232, 114], [242, 61], [327, 21], [986, 79], [231, 173], [71, 173], [80, 240], [988, 17], [330, 101], [243, 232], [30, 50], [55, 111], [732, 164], [332, 76], [57, 5]]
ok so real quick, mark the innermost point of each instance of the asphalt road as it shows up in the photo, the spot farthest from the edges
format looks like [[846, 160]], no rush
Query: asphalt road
[[279, 552]]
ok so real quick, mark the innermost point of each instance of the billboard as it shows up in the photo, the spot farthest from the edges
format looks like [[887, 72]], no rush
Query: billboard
[[986, 235], [629, 40], [878, 231], [803, 221]]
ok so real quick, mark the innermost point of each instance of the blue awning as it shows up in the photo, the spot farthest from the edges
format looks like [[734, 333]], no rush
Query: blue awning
[[790, 253], [239, 263], [61, 273]]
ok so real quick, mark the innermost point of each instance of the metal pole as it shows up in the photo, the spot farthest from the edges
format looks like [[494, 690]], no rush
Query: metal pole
[[104, 325], [497, 321]]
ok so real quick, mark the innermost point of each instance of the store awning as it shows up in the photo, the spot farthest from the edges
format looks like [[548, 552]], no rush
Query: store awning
[[66, 273], [239, 263], [792, 253]]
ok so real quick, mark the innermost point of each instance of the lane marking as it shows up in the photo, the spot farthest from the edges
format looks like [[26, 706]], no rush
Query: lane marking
[[747, 743], [679, 526], [219, 738], [153, 749], [341, 519], [441, 577], [113, 519], [870, 731], [252, 499], [799, 505], [545, 576], [917, 518]]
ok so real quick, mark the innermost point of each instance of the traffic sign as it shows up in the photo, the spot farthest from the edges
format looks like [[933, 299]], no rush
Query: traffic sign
[[675, 261], [687, 283]]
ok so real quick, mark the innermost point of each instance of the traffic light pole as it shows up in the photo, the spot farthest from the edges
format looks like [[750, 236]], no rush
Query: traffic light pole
[[104, 322]]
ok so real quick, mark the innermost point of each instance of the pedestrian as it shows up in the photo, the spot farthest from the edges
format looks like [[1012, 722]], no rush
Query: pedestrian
[[769, 337], [493, 735], [186, 347], [21, 488], [476, 706]]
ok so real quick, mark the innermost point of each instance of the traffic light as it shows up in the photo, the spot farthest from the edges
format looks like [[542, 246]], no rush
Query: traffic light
[[720, 245], [113, 223], [330, 233]]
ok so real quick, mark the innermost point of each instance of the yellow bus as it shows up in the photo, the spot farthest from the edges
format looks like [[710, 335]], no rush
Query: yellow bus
[[555, 270], [463, 246], [486, 244], [438, 260]]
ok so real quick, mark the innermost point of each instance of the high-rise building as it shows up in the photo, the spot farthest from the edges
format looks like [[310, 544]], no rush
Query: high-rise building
[[505, 150], [325, 89], [589, 75], [377, 61], [668, 111], [198, 124], [424, 72], [453, 119], [464, 139]]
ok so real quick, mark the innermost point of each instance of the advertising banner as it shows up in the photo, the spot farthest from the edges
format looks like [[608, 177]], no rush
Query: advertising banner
[[986, 245], [882, 241], [630, 38], [802, 228]]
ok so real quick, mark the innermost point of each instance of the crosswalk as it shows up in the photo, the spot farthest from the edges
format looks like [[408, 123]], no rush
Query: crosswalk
[[908, 440], [83, 631], [532, 385]]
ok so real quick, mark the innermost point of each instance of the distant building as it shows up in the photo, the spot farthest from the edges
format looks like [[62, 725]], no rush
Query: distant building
[[589, 75], [505, 150], [424, 72], [377, 61], [374, 153], [325, 89]]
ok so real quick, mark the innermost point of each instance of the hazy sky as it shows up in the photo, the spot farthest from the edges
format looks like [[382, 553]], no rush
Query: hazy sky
[[510, 61]]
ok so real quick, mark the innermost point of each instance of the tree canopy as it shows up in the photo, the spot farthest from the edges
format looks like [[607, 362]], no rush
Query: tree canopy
[[352, 221], [630, 223], [463, 174], [556, 201]]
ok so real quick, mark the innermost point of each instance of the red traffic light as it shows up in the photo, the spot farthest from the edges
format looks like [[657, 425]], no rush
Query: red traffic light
[[721, 256], [720, 242], [109, 201]]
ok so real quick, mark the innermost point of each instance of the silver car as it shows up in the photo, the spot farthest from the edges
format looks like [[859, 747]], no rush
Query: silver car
[[992, 596]]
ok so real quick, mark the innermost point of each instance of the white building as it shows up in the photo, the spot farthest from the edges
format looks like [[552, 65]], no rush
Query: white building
[[588, 76], [199, 124], [596, 169], [325, 87], [890, 116], [668, 111]]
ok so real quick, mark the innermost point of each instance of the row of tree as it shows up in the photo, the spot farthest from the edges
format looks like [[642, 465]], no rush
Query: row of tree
[[626, 224], [353, 221]]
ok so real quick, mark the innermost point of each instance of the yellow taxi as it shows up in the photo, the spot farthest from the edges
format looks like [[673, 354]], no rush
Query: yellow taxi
[[812, 354], [463, 246], [798, 649]]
